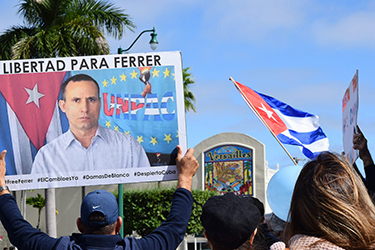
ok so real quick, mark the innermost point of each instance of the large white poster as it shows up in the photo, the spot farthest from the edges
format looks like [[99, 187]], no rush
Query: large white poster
[[140, 95]]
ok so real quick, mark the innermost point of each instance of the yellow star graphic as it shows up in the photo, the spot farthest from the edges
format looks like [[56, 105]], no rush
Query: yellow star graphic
[[174, 76], [116, 128], [113, 80], [105, 83], [155, 72], [134, 74], [140, 139], [177, 134], [123, 77], [166, 72], [168, 138], [127, 132], [153, 140], [108, 124]]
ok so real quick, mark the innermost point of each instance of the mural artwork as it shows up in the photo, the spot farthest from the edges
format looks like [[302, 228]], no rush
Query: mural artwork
[[229, 168]]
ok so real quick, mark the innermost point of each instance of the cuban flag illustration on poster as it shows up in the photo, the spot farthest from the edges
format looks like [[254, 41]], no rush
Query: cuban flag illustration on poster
[[29, 116], [291, 126]]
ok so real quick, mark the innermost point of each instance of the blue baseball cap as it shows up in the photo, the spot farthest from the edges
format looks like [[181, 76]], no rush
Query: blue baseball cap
[[99, 201]]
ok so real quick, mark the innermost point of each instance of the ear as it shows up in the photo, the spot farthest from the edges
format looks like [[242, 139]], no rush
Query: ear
[[62, 105], [80, 225], [253, 235], [118, 225]]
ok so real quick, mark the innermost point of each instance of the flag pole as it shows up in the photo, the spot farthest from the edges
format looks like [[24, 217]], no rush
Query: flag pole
[[261, 118]]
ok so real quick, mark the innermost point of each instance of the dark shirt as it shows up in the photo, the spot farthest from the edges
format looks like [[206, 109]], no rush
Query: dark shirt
[[167, 236], [370, 177], [264, 238]]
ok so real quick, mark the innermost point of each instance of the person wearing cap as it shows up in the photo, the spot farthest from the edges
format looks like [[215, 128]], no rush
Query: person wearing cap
[[230, 221], [100, 223]]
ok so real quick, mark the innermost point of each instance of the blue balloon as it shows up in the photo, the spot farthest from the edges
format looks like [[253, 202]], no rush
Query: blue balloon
[[280, 190]]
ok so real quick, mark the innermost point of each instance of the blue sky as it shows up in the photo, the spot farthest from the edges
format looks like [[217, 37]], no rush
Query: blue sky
[[304, 53]]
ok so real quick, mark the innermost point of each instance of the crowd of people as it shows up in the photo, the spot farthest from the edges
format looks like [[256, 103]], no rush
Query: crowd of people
[[330, 209], [331, 206]]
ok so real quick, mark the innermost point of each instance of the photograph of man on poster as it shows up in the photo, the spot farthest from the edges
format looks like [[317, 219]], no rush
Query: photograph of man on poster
[[87, 146]]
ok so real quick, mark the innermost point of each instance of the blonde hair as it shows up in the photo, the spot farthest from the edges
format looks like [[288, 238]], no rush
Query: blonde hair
[[330, 201]]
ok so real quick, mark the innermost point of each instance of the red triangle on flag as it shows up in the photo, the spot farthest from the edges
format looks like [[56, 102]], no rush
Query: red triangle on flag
[[32, 98], [262, 109]]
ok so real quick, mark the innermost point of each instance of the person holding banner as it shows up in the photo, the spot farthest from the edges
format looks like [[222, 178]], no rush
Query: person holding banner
[[87, 146], [360, 143], [100, 222], [330, 208]]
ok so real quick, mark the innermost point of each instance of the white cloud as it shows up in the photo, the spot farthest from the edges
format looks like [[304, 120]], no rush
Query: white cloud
[[356, 29], [253, 20]]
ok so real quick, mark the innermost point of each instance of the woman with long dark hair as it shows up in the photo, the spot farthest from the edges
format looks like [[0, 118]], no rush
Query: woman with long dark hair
[[330, 208]]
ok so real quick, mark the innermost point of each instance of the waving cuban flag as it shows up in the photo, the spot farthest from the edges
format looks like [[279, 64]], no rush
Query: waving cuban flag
[[290, 126]]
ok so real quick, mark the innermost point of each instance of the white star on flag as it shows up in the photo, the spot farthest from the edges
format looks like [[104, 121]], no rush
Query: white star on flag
[[268, 112], [34, 95]]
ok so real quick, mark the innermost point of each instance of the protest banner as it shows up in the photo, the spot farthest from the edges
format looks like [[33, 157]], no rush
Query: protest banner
[[349, 118], [30, 116]]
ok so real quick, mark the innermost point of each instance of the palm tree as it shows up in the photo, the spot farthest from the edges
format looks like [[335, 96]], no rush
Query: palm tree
[[38, 202], [190, 99], [62, 28]]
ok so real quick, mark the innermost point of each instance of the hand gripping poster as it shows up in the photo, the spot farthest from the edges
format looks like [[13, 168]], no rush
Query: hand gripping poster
[[91, 120]]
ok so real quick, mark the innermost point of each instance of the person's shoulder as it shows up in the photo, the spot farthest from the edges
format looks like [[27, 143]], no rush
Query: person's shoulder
[[112, 134], [81, 241], [50, 145], [57, 142], [301, 241]]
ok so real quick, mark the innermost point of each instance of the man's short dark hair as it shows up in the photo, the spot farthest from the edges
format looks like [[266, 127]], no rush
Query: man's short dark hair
[[77, 78], [104, 230]]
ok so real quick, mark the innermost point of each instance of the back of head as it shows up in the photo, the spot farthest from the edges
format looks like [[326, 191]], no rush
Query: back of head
[[99, 209], [330, 201], [229, 220]]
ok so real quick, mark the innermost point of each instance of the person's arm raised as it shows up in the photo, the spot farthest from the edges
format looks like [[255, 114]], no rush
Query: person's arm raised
[[360, 143], [2, 172], [187, 166], [172, 231]]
